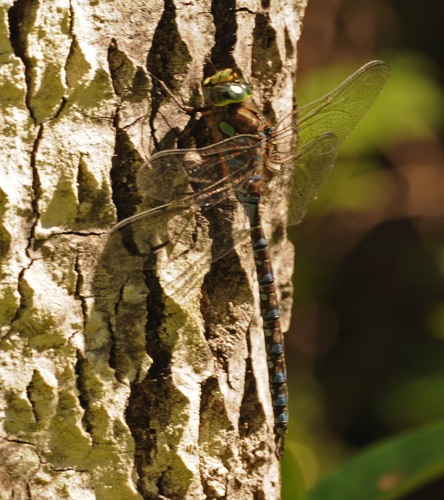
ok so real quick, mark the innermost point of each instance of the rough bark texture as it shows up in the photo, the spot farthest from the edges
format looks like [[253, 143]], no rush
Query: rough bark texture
[[110, 388]]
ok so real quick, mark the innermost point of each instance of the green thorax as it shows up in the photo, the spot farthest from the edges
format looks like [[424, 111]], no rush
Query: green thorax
[[232, 113]]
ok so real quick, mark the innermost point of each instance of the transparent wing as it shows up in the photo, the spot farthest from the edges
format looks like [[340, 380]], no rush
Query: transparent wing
[[338, 112], [174, 175], [197, 185], [309, 144], [313, 166], [181, 240], [190, 184]]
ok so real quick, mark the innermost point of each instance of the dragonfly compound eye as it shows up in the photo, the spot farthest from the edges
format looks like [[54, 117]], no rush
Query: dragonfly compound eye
[[226, 87]]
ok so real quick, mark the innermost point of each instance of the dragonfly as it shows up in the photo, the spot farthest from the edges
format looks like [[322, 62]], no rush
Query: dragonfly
[[249, 156]]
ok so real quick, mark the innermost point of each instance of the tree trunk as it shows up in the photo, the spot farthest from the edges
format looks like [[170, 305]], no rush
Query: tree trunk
[[111, 386]]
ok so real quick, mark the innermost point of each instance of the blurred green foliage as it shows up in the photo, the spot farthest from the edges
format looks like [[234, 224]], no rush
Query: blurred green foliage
[[387, 470], [366, 348], [410, 106]]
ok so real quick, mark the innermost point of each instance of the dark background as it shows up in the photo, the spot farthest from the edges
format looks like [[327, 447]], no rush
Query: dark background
[[365, 351]]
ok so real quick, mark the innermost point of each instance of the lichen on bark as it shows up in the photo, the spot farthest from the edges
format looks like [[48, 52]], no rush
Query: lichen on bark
[[112, 387]]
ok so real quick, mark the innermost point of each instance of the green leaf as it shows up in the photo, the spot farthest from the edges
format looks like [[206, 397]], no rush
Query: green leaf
[[388, 470]]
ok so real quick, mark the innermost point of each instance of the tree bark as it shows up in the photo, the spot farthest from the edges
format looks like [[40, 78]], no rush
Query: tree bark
[[110, 386]]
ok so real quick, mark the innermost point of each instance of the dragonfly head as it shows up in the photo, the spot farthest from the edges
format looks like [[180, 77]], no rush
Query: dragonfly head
[[226, 87]]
